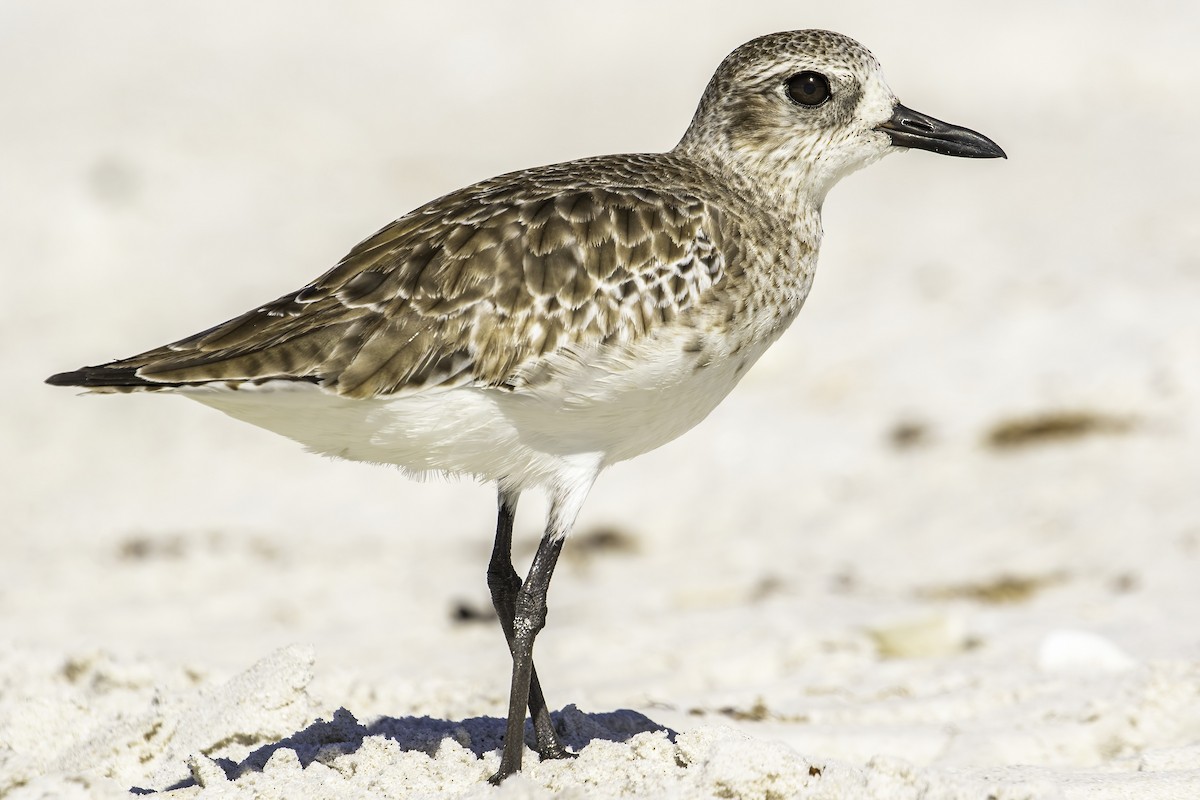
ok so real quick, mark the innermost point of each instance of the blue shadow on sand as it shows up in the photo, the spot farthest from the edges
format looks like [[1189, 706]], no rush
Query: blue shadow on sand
[[325, 740]]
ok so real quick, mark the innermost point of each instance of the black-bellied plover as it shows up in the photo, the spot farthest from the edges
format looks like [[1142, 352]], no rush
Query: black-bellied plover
[[532, 329]]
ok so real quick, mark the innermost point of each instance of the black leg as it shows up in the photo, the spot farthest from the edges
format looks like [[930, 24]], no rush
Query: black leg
[[505, 584], [529, 603], [529, 619]]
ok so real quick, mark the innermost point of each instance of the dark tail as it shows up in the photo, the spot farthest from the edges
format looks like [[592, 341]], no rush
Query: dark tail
[[120, 378], [113, 377]]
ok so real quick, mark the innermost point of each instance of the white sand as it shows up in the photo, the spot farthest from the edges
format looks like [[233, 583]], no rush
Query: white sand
[[811, 609]]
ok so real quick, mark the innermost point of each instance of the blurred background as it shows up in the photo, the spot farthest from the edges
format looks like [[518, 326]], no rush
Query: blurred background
[[997, 375]]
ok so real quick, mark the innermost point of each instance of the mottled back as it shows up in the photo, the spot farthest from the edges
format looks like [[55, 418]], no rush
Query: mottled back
[[474, 286]]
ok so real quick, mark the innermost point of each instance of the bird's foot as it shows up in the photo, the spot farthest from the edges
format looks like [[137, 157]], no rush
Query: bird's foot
[[546, 753], [555, 751]]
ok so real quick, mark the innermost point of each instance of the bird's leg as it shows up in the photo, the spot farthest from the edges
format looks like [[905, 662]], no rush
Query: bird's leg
[[529, 618], [504, 584], [529, 610]]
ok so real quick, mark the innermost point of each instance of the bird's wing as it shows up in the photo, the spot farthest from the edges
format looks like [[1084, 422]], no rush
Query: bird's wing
[[471, 289]]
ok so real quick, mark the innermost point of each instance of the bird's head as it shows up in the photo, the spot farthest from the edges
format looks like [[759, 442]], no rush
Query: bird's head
[[806, 108]]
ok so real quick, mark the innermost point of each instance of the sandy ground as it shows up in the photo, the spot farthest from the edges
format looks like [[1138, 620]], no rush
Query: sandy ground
[[943, 542]]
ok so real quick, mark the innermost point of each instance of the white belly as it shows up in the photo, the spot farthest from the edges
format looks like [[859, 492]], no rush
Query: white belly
[[612, 409]]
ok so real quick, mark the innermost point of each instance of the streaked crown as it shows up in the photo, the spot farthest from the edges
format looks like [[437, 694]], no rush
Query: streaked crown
[[800, 107]]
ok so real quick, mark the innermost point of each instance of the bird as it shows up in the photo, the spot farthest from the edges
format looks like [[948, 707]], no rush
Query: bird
[[533, 329]]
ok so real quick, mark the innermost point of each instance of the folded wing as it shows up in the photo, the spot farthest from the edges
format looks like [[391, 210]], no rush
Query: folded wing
[[472, 289]]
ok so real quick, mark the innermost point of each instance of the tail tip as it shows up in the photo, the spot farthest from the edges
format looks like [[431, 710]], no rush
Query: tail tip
[[74, 378], [99, 377]]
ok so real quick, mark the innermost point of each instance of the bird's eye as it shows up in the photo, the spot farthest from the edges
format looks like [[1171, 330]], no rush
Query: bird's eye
[[808, 88]]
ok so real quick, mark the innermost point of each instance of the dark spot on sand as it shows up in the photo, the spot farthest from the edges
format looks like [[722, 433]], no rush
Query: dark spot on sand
[[1125, 583], [755, 713], [141, 547], [599, 542], [1000, 590], [908, 435], [758, 712], [465, 613], [766, 587], [1049, 427]]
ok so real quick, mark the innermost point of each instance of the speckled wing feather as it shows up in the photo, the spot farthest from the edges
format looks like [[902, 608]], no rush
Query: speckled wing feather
[[471, 289]]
